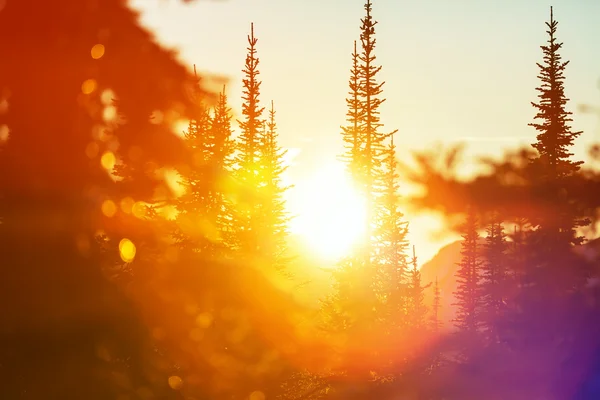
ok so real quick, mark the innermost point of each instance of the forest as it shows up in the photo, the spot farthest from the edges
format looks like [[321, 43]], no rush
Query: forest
[[140, 262]]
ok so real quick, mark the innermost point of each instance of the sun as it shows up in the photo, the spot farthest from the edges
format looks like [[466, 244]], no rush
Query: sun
[[330, 214]]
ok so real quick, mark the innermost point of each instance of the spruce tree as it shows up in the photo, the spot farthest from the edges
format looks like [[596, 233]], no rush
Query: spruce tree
[[369, 286], [351, 133], [494, 276], [392, 243], [222, 148], [554, 166], [551, 267], [372, 140], [274, 218], [220, 131], [368, 281], [417, 310], [468, 291], [555, 135], [247, 161], [435, 308], [249, 144], [196, 218]]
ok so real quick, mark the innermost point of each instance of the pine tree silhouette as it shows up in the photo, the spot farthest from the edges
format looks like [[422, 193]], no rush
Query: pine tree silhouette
[[494, 276], [553, 172], [372, 140], [468, 291], [275, 219], [248, 159], [555, 135], [417, 310], [392, 243], [223, 147], [369, 302], [435, 308], [197, 216], [351, 133]]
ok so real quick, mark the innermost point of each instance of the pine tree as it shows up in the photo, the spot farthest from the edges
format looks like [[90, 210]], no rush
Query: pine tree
[[547, 267], [417, 310], [554, 167], [274, 218], [392, 242], [494, 277], [259, 219], [351, 133], [468, 291], [368, 283], [249, 144], [196, 217], [555, 135], [435, 308], [550, 265], [372, 140], [247, 161], [222, 147], [518, 249]]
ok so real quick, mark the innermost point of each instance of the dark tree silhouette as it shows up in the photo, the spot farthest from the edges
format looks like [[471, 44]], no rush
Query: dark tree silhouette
[[468, 293], [417, 310], [555, 135], [494, 276], [435, 308]]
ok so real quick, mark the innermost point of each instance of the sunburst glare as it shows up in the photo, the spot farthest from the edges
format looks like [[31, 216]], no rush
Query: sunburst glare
[[330, 213]]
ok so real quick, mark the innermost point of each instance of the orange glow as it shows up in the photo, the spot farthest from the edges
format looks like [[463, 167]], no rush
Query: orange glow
[[138, 209], [175, 382], [92, 149], [173, 180], [4, 133], [97, 51], [204, 320], [257, 395], [109, 208], [110, 113], [127, 204], [180, 127], [107, 96], [88, 86], [127, 250], [108, 160]]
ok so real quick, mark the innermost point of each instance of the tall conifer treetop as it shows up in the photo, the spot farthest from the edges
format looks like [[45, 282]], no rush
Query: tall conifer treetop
[[351, 134], [554, 132], [251, 109], [372, 147]]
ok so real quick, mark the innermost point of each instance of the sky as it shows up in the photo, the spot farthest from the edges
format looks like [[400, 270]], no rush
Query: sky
[[455, 71]]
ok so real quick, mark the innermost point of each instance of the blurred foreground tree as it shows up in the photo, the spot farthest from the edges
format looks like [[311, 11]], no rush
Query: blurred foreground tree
[[64, 326], [79, 170]]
